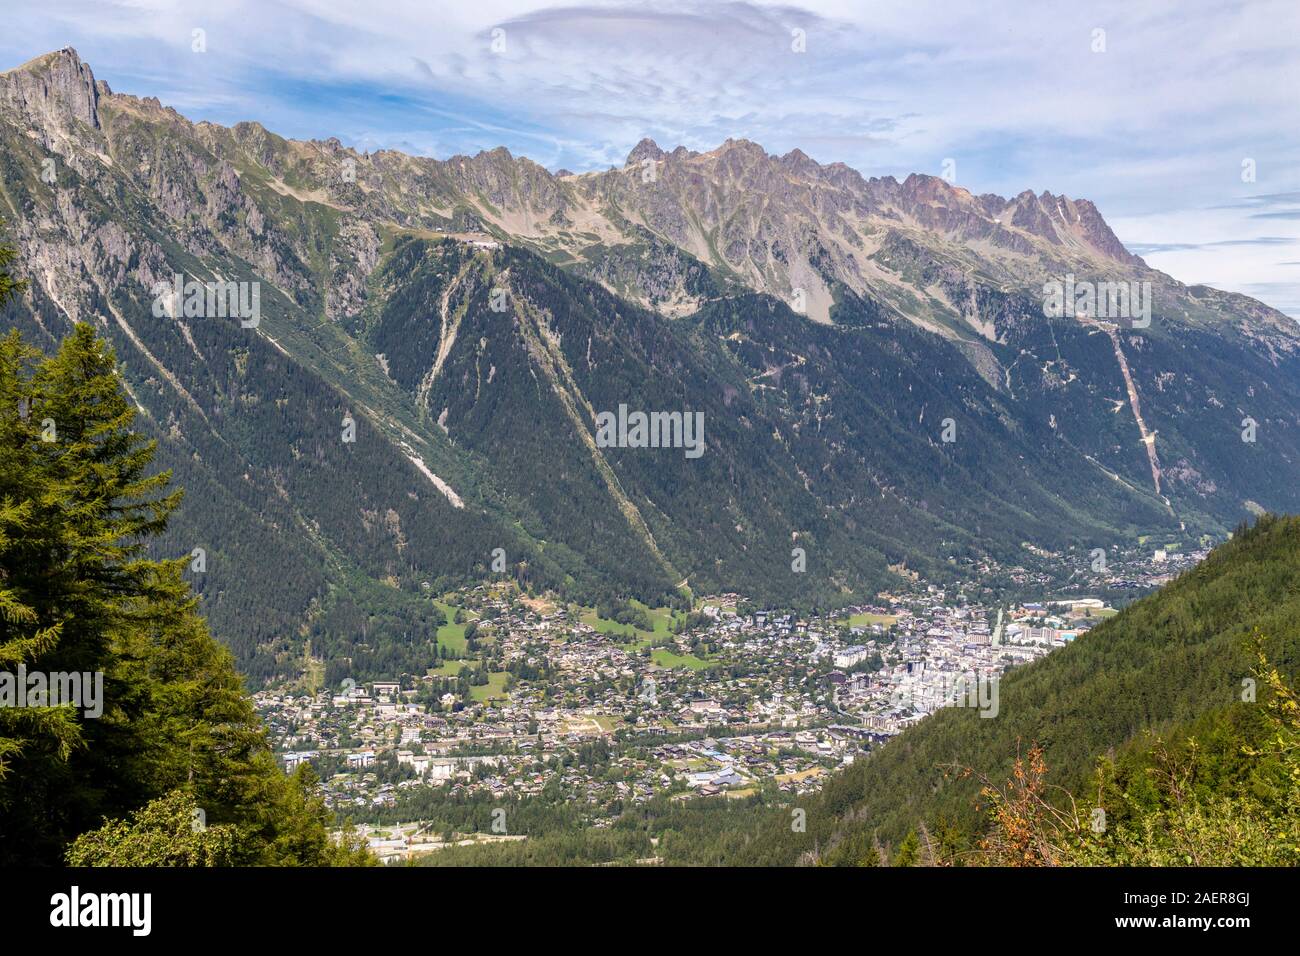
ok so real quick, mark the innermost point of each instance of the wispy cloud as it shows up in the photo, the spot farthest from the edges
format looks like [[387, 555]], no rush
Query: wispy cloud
[[1146, 248], [1152, 110]]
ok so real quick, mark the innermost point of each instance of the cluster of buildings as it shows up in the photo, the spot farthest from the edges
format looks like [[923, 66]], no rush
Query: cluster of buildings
[[601, 716]]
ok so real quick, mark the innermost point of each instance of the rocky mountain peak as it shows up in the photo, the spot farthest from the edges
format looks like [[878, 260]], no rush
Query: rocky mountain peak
[[778, 222], [52, 89], [918, 187], [646, 149], [1064, 221], [742, 147], [800, 163]]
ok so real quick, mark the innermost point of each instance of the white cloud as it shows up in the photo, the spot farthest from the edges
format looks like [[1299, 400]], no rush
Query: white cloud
[[1153, 129]]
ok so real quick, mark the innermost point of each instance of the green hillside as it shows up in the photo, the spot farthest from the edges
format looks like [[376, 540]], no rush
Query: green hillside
[[1133, 690]]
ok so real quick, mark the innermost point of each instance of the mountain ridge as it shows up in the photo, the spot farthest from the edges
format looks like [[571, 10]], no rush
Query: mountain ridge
[[518, 198], [496, 177], [473, 315]]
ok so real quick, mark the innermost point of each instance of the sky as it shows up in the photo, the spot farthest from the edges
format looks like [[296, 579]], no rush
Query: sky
[[1180, 119]]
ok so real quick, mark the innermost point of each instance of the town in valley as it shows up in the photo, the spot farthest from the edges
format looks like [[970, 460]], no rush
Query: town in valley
[[602, 709]]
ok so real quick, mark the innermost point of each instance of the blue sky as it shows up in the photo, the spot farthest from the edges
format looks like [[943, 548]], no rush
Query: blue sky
[[1149, 109]]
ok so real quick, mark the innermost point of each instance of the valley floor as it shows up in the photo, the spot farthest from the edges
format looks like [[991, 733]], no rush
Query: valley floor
[[551, 718]]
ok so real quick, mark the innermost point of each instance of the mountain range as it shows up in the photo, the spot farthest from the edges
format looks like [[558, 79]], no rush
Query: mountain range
[[414, 406]]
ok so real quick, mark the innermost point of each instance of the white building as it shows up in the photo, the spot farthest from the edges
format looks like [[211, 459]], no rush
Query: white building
[[849, 656]]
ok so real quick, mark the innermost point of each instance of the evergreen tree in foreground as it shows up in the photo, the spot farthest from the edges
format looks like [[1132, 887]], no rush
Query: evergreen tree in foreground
[[79, 595]]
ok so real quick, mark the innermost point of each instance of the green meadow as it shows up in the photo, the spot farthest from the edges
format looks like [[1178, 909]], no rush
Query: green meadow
[[662, 657], [494, 689], [452, 635]]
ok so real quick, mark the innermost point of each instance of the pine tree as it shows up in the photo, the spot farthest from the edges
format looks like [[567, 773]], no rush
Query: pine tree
[[35, 738], [909, 851], [79, 593], [24, 636], [162, 833], [9, 286]]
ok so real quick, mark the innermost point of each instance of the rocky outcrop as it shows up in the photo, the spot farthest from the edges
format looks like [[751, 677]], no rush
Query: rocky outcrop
[[51, 93], [668, 229]]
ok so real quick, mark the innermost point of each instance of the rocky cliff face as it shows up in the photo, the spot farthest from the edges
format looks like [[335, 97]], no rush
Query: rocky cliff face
[[51, 92], [669, 229], [787, 222]]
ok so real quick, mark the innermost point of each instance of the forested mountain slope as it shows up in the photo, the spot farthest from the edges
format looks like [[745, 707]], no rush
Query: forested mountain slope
[[1177, 664]]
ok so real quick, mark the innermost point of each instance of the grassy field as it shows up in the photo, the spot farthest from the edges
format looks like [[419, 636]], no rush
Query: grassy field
[[599, 724], [867, 619], [661, 617], [692, 764], [451, 635], [801, 775], [313, 670], [495, 688], [1100, 613], [447, 669], [662, 657], [589, 617]]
